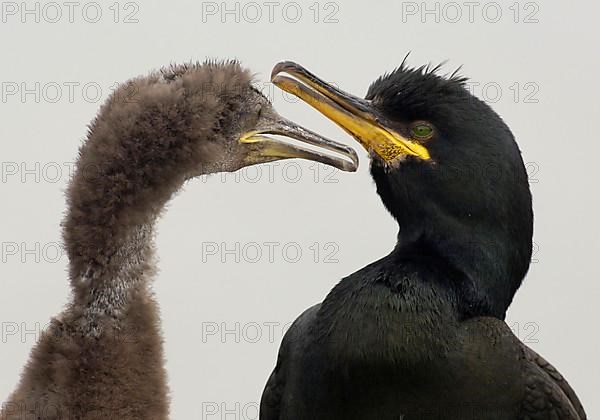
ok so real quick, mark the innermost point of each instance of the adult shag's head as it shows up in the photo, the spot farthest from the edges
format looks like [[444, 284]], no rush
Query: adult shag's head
[[446, 167]]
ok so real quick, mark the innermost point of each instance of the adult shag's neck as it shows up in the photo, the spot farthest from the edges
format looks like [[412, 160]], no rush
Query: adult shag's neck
[[479, 268]]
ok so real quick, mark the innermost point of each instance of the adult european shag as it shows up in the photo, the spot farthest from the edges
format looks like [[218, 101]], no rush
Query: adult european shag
[[102, 357], [419, 334]]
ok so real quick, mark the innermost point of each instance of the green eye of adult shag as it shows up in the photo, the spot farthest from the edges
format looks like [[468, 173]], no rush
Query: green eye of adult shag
[[422, 130]]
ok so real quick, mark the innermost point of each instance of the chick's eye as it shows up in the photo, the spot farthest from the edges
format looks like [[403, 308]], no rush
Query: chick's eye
[[253, 115], [422, 130]]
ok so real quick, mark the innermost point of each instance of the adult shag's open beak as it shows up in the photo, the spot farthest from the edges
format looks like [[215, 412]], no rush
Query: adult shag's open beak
[[265, 148], [355, 115]]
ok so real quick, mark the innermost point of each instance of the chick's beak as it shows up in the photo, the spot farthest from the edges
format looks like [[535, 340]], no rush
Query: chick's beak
[[264, 148]]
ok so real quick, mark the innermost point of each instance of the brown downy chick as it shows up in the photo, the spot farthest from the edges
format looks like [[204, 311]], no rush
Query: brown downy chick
[[102, 357]]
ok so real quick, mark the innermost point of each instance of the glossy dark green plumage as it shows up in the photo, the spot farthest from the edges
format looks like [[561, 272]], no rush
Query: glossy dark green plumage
[[420, 334]]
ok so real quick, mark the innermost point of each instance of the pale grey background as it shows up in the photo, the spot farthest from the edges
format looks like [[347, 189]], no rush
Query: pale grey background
[[555, 311]]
